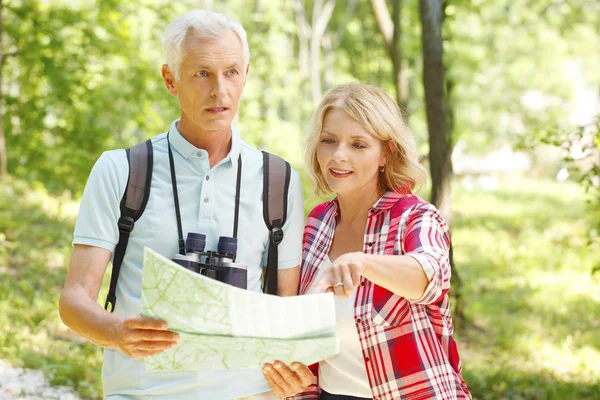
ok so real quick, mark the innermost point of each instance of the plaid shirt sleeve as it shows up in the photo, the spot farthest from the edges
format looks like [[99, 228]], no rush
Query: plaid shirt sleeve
[[427, 240]]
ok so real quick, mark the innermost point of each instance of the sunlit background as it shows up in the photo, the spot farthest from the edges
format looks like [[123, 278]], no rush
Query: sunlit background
[[521, 101]]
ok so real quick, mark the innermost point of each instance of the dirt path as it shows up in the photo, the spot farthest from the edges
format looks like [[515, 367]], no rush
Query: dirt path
[[29, 384]]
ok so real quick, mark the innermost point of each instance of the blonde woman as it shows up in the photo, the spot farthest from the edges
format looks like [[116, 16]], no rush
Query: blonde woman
[[383, 252]]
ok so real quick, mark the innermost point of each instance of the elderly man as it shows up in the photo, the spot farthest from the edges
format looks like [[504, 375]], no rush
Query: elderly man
[[206, 68]]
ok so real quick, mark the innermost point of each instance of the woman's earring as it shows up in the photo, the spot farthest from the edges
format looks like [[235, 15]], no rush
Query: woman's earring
[[382, 168]]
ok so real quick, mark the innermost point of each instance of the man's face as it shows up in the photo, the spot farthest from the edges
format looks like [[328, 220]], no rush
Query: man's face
[[211, 81]]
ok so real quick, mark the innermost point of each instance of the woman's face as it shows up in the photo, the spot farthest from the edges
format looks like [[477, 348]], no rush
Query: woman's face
[[349, 157]]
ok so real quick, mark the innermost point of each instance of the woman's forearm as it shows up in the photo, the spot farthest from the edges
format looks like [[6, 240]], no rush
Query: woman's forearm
[[402, 275]]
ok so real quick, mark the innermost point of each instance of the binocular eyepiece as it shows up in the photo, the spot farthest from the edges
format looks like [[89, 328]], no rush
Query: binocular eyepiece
[[219, 265]]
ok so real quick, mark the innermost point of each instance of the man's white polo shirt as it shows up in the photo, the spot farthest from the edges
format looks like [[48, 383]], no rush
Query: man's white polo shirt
[[207, 199]]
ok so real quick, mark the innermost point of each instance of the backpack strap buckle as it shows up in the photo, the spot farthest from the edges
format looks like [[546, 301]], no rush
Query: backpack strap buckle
[[276, 235], [125, 224]]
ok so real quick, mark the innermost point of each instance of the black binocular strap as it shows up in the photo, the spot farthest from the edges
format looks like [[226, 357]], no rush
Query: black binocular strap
[[176, 198], [133, 203], [181, 242], [238, 185]]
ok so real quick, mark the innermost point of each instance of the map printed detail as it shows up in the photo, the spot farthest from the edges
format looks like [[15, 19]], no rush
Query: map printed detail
[[223, 327]]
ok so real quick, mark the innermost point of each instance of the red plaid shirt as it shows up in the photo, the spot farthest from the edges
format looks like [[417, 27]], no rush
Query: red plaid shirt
[[407, 346]]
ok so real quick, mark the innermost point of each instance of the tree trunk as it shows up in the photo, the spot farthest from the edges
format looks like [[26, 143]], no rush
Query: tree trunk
[[331, 41], [395, 50], [3, 163], [440, 121], [310, 37], [263, 104], [458, 307], [449, 82], [390, 27], [435, 99], [320, 18], [287, 103], [303, 31], [315, 69], [329, 61]]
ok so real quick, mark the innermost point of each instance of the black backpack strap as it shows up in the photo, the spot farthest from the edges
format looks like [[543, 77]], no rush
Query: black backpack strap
[[276, 181], [133, 203]]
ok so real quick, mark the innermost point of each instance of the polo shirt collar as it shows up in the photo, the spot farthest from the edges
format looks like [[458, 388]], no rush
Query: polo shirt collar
[[186, 149], [236, 146]]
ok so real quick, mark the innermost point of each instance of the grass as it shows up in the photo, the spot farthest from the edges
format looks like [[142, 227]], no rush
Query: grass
[[35, 235], [530, 298], [529, 293]]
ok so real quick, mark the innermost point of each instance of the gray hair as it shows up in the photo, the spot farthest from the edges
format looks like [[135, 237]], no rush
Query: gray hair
[[204, 24]]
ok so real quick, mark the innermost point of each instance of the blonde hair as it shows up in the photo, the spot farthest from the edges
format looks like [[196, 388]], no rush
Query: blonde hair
[[380, 116]]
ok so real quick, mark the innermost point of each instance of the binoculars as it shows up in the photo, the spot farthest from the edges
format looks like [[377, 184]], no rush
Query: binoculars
[[219, 265]]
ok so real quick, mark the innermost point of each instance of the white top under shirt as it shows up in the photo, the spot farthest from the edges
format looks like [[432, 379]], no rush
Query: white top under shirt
[[345, 373]]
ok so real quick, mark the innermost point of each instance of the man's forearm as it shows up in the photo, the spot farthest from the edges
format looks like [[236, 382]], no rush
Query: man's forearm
[[87, 318]]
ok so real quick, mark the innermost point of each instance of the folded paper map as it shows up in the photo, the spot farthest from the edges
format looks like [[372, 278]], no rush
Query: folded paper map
[[224, 327]]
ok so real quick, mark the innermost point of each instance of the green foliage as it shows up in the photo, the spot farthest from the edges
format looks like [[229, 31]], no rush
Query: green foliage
[[581, 156], [89, 79], [35, 235], [78, 83], [270, 112], [525, 266], [84, 76], [512, 64]]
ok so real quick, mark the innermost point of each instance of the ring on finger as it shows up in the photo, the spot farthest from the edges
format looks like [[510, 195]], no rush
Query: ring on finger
[[340, 283]]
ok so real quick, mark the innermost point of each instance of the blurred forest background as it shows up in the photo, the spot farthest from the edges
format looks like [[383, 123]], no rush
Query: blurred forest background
[[503, 97]]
